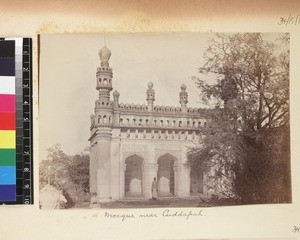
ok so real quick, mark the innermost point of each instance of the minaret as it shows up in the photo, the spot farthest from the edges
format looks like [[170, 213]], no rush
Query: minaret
[[101, 131], [183, 98], [150, 96], [104, 75]]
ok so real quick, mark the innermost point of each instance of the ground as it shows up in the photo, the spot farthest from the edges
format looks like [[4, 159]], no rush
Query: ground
[[163, 203]]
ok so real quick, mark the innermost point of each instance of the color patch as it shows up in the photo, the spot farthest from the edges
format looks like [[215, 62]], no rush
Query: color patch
[[7, 139], [7, 85], [7, 103], [7, 121], [7, 66], [7, 49], [7, 192], [7, 157], [7, 175]]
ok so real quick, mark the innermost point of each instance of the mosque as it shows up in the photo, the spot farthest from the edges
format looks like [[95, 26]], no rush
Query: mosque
[[130, 144]]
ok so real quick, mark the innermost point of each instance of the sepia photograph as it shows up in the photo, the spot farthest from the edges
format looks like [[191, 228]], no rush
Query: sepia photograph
[[150, 120]]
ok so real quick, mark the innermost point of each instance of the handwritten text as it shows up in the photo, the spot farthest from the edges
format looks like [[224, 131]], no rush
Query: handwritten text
[[290, 20]]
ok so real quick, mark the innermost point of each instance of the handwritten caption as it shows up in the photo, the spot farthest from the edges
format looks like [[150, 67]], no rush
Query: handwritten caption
[[167, 213], [289, 20], [296, 229]]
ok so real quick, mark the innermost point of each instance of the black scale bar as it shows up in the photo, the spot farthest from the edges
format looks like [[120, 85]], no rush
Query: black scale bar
[[27, 122]]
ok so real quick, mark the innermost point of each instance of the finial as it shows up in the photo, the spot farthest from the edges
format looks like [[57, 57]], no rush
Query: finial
[[116, 94], [150, 85], [183, 87], [104, 55]]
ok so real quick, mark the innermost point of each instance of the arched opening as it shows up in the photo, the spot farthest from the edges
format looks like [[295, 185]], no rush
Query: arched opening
[[196, 175], [134, 176], [165, 175], [104, 119]]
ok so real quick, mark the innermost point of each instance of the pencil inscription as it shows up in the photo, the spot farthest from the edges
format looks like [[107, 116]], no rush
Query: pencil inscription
[[290, 20]]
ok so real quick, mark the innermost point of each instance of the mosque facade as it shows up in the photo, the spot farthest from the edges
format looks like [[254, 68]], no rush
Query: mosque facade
[[131, 144]]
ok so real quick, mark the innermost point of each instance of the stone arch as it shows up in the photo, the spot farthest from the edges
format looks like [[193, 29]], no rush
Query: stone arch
[[134, 176], [166, 175]]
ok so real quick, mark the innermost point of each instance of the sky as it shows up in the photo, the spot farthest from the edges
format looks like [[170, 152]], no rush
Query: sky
[[67, 84], [68, 64]]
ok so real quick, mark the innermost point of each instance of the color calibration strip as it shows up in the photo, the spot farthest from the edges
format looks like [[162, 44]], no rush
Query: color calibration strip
[[16, 121], [8, 190]]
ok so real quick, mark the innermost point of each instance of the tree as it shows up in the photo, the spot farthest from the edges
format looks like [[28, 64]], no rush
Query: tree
[[54, 169], [250, 87], [79, 172], [69, 173]]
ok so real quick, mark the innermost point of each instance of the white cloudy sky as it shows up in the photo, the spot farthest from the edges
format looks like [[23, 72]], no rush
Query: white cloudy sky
[[68, 66]]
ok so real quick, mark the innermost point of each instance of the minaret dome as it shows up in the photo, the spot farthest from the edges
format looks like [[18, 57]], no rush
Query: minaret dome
[[104, 54]]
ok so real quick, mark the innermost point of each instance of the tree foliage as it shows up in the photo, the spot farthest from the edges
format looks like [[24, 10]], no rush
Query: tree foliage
[[243, 143], [69, 173], [251, 75]]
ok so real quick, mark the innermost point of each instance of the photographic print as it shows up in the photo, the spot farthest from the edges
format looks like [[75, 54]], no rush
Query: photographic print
[[148, 120]]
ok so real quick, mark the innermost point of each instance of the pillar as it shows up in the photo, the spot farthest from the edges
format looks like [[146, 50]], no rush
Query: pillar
[[93, 169], [103, 165], [115, 164], [122, 180]]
